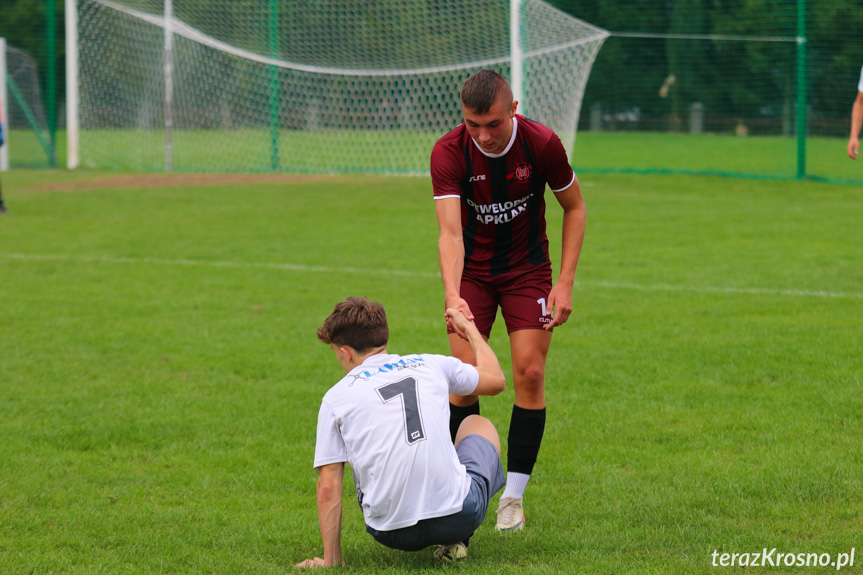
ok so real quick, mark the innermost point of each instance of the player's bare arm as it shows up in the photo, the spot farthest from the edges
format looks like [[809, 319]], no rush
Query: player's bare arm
[[574, 222], [329, 490], [856, 125], [491, 378], [451, 255]]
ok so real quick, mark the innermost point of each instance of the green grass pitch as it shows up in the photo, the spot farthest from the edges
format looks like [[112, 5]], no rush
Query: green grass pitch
[[160, 376]]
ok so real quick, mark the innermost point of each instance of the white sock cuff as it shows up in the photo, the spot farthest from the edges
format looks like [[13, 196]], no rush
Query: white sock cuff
[[515, 484]]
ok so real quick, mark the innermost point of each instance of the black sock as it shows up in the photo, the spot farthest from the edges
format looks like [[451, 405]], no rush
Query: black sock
[[458, 414], [525, 436]]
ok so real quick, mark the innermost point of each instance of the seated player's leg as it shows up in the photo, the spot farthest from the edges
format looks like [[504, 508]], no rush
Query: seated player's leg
[[478, 447], [478, 425], [483, 303]]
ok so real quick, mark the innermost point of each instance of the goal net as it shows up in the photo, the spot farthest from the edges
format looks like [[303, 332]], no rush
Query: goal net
[[25, 126], [326, 86]]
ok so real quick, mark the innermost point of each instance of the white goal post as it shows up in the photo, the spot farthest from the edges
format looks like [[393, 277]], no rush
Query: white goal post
[[324, 87], [73, 125]]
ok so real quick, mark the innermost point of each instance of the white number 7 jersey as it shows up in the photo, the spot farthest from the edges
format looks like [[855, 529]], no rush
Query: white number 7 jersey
[[389, 419]]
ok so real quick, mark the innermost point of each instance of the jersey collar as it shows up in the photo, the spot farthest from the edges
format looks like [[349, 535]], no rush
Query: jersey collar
[[377, 359], [508, 146]]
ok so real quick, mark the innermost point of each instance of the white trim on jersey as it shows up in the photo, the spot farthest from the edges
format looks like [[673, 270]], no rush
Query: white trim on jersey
[[860, 83], [389, 419], [449, 196], [508, 146], [566, 187]]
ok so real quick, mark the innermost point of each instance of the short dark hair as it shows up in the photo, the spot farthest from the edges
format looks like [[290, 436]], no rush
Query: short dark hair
[[483, 89], [356, 322]]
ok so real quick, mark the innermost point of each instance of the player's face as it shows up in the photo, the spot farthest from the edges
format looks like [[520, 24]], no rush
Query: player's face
[[493, 129]]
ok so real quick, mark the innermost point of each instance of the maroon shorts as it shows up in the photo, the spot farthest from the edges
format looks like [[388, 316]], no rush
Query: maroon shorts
[[521, 296]]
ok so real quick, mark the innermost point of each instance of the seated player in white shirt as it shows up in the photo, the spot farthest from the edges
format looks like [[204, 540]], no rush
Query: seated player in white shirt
[[388, 418]]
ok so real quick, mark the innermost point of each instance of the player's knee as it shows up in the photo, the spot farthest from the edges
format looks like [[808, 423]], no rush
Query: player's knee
[[531, 379], [478, 425], [474, 424]]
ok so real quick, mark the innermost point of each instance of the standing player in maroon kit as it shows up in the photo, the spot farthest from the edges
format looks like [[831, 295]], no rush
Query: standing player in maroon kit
[[489, 177]]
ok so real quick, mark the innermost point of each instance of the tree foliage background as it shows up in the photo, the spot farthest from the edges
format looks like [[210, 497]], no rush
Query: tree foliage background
[[751, 80]]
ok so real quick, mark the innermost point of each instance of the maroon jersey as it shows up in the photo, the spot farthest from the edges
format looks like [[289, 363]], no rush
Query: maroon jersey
[[502, 195]]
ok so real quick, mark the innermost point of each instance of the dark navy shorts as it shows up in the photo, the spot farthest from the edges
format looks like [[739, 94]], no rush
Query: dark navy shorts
[[482, 462]]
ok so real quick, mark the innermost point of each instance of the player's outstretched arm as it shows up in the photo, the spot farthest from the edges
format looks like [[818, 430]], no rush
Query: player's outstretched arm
[[329, 492], [451, 255], [491, 378]]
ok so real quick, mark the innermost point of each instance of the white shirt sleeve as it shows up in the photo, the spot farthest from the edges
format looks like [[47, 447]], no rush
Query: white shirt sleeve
[[329, 445], [860, 84], [462, 378]]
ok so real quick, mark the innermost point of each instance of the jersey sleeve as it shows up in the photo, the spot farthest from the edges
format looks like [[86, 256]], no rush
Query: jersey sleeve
[[860, 83], [461, 378], [559, 173], [446, 174], [329, 445]]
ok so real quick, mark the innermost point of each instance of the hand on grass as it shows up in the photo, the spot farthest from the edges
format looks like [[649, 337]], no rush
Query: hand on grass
[[313, 563]]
